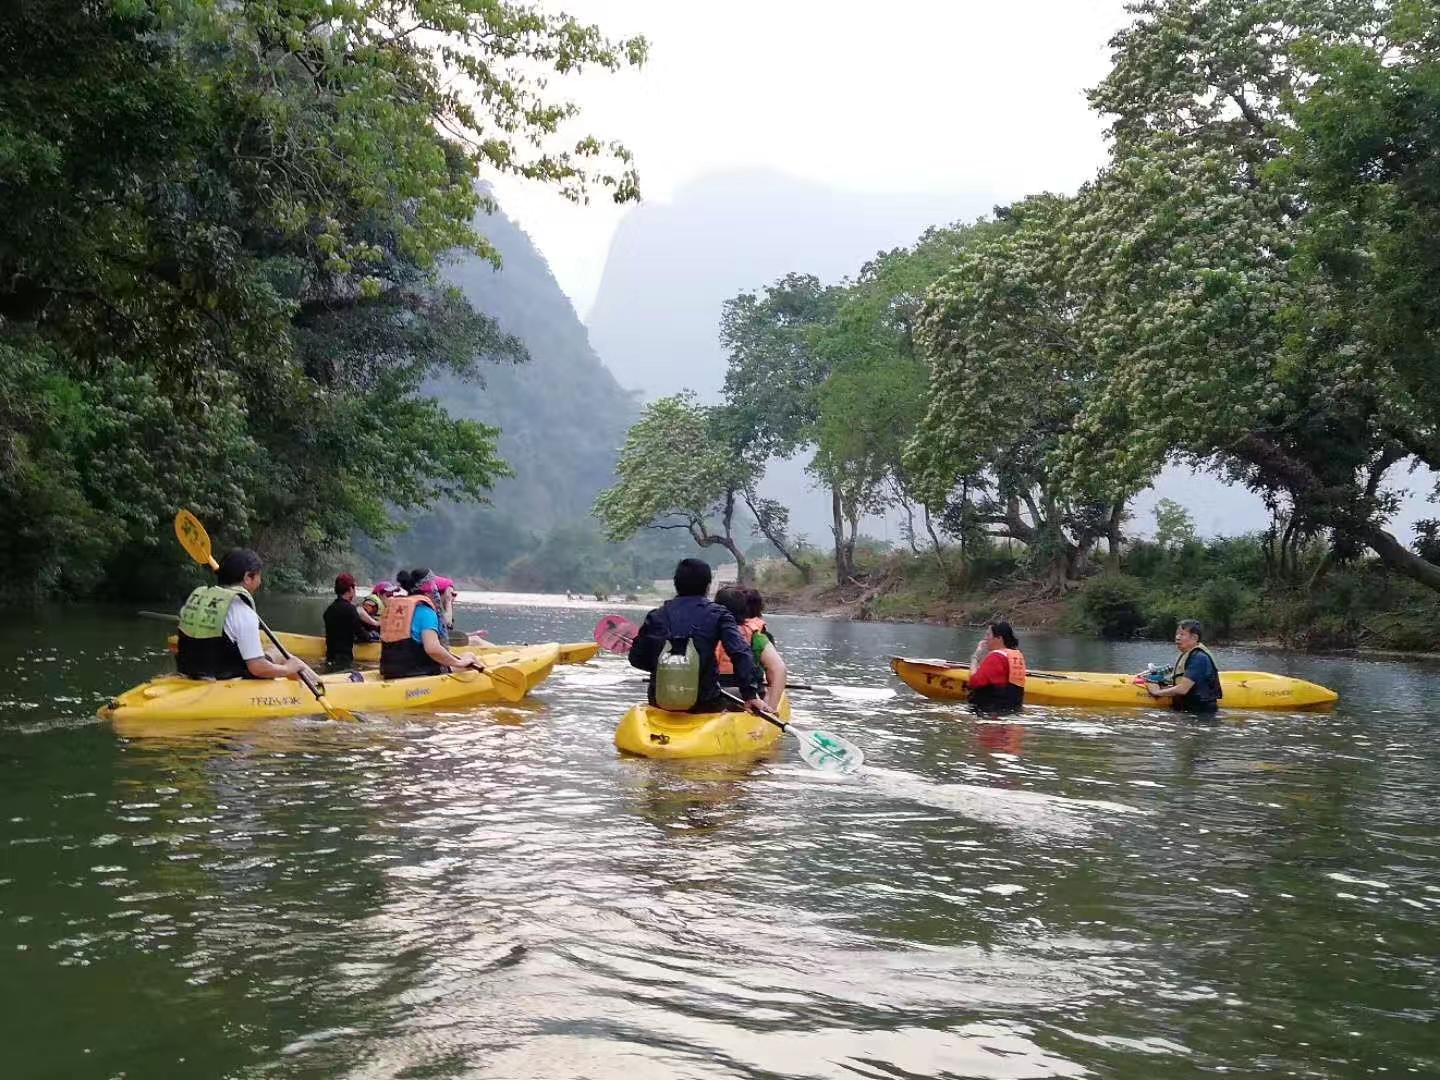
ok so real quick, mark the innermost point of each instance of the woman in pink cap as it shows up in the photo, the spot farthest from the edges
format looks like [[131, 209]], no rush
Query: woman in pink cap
[[374, 602]]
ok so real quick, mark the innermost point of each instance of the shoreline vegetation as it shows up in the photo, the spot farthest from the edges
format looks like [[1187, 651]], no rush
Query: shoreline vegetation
[[1234, 585]]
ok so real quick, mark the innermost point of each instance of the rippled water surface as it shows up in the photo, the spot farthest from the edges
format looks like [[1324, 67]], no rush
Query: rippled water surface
[[497, 893]]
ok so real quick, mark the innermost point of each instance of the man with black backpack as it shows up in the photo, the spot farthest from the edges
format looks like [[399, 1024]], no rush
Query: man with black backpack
[[677, 641]]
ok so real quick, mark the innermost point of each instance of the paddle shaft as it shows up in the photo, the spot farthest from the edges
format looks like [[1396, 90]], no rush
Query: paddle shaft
[[819, 749], [766, 713]]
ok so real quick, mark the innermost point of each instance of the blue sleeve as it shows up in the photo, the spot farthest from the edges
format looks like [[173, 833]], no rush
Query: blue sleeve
[[649, 642], [1198, 668], [424, 619]]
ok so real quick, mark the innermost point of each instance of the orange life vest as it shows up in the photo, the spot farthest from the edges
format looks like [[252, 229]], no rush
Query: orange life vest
[[1016, 659], [401, 656], [748, 629], [395, 619]]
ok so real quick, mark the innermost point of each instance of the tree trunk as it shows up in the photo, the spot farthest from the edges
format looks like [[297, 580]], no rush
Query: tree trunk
[[742, 572], [777, 539], [939, 549], [909, 523], [742, 568], [1321, 570], [844, 564], [1113, 535], [1401, 559]]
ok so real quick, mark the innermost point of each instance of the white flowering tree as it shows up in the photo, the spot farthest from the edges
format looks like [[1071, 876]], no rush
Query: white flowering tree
[[1246, 257]]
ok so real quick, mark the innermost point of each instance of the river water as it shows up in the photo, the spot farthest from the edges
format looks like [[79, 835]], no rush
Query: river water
[[498, 893]]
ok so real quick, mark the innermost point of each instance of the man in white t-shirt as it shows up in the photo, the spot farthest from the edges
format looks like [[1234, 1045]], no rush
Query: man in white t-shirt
[[220, 630]]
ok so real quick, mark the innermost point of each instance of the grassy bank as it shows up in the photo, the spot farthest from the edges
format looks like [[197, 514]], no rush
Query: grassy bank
[[1234, 585]]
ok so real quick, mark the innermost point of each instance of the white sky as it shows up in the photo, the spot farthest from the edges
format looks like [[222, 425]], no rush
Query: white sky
[[911, 95]]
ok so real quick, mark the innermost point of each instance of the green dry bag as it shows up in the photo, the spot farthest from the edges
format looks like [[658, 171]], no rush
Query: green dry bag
[[677, 677]]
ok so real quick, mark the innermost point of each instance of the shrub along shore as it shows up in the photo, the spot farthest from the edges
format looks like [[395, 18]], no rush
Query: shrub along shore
[[1238, 586]]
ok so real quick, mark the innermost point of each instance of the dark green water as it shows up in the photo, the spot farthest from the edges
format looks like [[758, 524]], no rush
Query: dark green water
[[499, 894]]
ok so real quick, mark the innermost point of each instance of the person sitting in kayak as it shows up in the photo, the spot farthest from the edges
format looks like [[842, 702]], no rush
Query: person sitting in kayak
[[219, 635], [374, 604], [445, 598], [1195, 677], [998, 684], [747, 606], [410, 631], [346, 624], [676, 645]]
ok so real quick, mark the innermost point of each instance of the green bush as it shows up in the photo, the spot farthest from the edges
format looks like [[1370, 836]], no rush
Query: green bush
[[1409, 631], [1162, 623], [1145, 559], [1239, 557], [1114, 605], [1221, 600]]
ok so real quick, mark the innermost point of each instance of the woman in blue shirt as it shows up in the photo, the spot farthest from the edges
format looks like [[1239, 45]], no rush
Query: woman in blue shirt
[[412, 631]]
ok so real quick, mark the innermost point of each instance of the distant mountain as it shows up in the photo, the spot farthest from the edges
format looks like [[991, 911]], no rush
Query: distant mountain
[[562, 415], [672, 265]]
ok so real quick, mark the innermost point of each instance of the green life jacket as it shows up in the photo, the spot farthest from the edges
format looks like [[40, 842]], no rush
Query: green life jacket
[[203, 651], [203, 615], [677, 678]]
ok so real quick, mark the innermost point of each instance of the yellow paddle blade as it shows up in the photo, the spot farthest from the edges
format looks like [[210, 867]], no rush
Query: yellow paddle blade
[[509, 681], [335, 712], [194, 539]]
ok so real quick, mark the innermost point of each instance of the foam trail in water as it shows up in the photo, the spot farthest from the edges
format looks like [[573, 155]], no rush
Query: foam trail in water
[[859, 693], [997, 806]]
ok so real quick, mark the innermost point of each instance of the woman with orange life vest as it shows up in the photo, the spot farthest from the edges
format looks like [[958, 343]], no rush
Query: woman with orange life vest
[[411, 628], [998, 684], [748, 606]]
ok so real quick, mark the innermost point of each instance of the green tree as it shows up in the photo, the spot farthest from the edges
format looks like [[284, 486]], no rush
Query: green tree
[[773, 382], [200, 198], [872, 399], [1011, 367], [676, 471], [1174, 527]]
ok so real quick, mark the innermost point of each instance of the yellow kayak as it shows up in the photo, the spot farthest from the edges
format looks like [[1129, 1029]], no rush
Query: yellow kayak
[[173, 697], [311, 648], [652, 732], [1243, 689]]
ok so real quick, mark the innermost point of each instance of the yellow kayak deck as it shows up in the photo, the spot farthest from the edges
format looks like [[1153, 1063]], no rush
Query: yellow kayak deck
[[948, 681], [311, 648], [173, 697], [655, 733]]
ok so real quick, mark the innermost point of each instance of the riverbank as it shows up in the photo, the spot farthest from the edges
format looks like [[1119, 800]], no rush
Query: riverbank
[[1356, 610], [1020, 603]]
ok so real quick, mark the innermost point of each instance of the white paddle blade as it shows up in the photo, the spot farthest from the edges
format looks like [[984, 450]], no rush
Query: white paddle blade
[[828, 753]]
